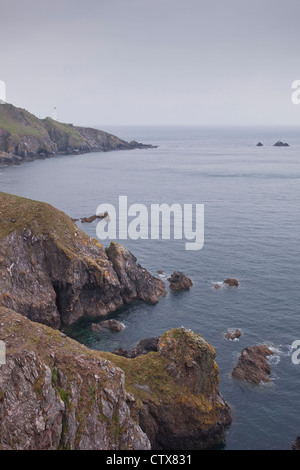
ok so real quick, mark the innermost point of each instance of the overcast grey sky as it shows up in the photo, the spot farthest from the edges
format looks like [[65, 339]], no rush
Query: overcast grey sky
[[112, 62]]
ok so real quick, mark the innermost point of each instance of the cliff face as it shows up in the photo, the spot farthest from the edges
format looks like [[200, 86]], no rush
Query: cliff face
[[53, 273], [56, 394], [24, 137]]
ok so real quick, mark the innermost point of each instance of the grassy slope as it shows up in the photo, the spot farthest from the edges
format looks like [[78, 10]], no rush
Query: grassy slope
[[19, 123]]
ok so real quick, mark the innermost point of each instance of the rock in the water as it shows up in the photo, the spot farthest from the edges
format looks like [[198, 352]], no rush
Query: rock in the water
[[260, 144], [253, 365], [89, 220], [296, 444], [233, 335], [279, 143], [112, 324], [179, 281], [96, 328], [232, 282]]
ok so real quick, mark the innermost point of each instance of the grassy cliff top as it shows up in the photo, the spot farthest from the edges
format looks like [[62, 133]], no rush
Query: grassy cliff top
[[18, 213], [19, 122]]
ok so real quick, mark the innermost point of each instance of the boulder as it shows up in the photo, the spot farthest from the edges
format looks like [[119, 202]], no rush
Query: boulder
[[232, 282], [260, 144], [253, 365], [232, 336], [179, 281], [113, 325]]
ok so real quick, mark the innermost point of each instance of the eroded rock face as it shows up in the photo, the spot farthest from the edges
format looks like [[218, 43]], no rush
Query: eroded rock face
[[143, 347], [53, 273], [135, 281], [179, 281], [56, 394], [253, 365]]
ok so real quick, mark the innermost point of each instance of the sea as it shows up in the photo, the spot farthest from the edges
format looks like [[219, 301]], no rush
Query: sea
[[251, 232]]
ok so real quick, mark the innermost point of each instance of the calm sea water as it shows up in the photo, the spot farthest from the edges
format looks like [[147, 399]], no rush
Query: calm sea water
[[252, 227]]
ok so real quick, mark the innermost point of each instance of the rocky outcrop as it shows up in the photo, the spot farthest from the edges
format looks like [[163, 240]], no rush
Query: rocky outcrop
[[232, 335], [56, 394], [177, 400], [135, 281], [53, 273], [296, 444], [143, 347], [24, 137], [260, 144], [279, 143], [179, 281], [111, 324], [253, 365]]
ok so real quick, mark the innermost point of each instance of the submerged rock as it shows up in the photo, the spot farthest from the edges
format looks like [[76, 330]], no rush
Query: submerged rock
[[53, 273], [232, 282], [253, 365], [179, 281]]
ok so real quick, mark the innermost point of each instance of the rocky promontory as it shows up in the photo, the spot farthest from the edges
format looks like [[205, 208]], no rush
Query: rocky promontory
[[24, 137], [56, 393], [53, 273]]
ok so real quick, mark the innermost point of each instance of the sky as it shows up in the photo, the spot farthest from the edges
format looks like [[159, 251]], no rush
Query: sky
[[153, 62]]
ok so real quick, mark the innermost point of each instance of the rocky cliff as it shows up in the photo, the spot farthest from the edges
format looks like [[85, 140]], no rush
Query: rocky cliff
[[24, 137], [58, 394], [53, 273]]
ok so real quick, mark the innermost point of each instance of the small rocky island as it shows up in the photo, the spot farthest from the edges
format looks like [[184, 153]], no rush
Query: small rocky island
[[56, 393], [24, 137]]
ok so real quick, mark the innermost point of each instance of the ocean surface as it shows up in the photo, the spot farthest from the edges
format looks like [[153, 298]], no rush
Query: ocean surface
[[252, 233]]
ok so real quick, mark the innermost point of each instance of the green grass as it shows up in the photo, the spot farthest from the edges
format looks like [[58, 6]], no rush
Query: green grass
[[19, 122]]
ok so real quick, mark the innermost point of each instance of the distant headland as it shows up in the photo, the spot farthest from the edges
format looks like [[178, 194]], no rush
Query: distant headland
[[24, 137]]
